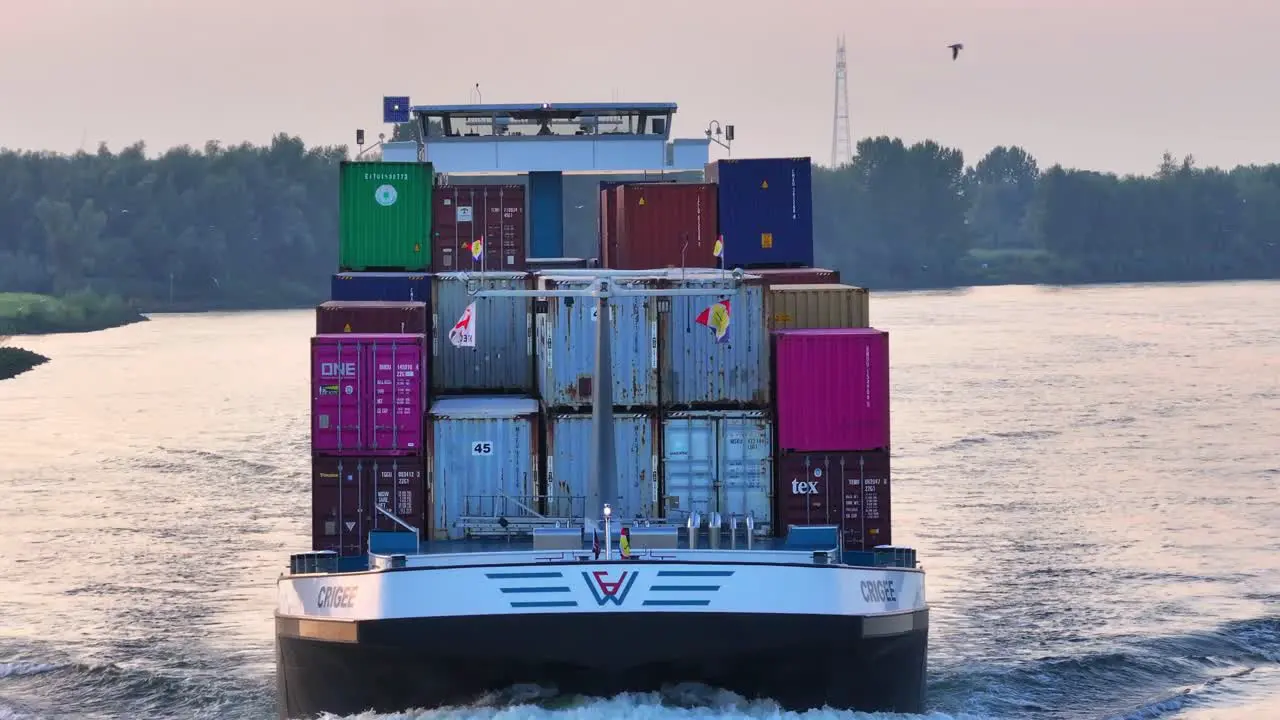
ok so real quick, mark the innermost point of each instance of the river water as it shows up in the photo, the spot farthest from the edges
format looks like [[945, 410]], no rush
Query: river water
[[1091, 475]]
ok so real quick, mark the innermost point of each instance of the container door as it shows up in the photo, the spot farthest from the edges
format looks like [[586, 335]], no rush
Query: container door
[[395, 417], [397, 486], [339, 397], [746, 476], [866, 501], [337, 511], [637, 488], [689, 467]]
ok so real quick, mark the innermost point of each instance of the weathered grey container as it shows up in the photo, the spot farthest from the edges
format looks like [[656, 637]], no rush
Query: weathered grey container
[[502, 360], [566, 345], [483, 463], [569, 443], [695, 370], [719, 461]]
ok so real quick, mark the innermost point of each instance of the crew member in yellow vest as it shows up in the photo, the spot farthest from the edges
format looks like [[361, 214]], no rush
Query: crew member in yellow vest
[[624, 543]]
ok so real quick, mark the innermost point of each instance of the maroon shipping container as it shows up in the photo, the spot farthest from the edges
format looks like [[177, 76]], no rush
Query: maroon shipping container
[[797, 276], [345, 489], [662, 225], [463, 213], [849, 489], [608, 225], [401, 318]]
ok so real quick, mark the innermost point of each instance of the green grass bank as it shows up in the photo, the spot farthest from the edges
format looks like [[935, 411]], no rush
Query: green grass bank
[[29, 314]]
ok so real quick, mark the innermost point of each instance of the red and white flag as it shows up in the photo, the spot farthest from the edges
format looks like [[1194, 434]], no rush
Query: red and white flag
[[463, 333]]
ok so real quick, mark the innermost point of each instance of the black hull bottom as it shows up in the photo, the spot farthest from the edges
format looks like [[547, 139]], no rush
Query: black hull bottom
[[799, 661]]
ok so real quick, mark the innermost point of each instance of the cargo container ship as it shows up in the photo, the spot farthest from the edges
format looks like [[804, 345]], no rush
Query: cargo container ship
[[484, 519]]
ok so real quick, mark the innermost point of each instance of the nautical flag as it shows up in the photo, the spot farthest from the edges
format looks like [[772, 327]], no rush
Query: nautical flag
[[595, 543], [718, 248], [624, 543], [477, 249], [463, 333], [716, 317]]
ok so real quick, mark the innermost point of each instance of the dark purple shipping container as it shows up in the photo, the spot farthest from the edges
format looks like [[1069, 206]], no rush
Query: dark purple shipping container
[[848, 489], [465, 213], [368, 394], [404, 318], [797, 276], [661, 225], [344, 491]]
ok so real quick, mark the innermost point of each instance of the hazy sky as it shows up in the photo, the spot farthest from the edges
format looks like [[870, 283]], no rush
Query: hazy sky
[[1104, 84]]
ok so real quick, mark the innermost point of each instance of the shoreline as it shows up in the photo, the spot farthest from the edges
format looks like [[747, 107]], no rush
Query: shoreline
[[15, 360]]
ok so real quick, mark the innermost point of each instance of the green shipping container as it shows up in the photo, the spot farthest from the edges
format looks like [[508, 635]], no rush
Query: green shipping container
[[384, 216]]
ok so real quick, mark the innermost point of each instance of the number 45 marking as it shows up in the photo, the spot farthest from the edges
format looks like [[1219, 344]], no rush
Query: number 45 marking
[[481, 448]]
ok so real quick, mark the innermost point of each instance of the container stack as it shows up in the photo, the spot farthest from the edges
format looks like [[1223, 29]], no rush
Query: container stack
[[369, 369]]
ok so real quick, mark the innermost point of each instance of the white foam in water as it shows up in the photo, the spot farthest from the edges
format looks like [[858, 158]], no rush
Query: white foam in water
[[719, 706], [18, 669]]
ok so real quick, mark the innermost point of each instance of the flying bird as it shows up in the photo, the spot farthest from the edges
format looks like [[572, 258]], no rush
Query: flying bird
[[955, 50]]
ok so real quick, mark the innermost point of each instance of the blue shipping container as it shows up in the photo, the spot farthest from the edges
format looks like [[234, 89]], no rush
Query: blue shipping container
[[719, 461], [381, 287], [694, 369], [483, 464], [766, 211], [635, 441], [502, 359], [566, 346]]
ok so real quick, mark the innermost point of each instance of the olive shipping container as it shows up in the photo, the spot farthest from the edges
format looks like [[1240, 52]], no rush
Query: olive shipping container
[[797, 276], [368, 393], [663, 225], [336, 317], [502, 359], [483, 464], [464, 213], [344, 491], [765, 211], [381, 287], [833, 389], [384, 216], [569, 442], [848, 489], [697, 371], [801, 307], [718, 461], [566, 346]]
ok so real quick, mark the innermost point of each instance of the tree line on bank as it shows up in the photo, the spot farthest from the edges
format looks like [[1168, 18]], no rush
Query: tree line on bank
[[256, 226]]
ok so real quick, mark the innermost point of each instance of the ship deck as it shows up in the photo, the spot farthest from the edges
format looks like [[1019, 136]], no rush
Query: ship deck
[[804, 545]]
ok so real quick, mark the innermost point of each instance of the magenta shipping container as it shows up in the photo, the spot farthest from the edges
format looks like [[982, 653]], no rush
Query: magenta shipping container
[[368, 394], [832, 389]]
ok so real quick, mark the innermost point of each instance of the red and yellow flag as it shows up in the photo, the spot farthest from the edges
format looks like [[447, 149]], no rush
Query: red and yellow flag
[[716, 317]]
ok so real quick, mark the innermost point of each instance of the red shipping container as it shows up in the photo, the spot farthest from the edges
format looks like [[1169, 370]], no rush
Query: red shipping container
[[849, 489], [797, 276], [338, 317], [368, 394], [344, 491], [463, 213], [608, 224], [832, 389], [662, 225]]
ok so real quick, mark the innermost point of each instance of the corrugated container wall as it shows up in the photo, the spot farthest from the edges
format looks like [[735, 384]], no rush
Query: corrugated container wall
[[368, 394], [607, 220], [718, 461], [384, 216], [464, 213], [569, 442], [502, 359], [345, 489], [802, 307], [797, 276], [833, 389], [765, 211], [663, 225], [484, 463], [847, 489], [566, 346], [381, 287], [336, 317], [695, 370]]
